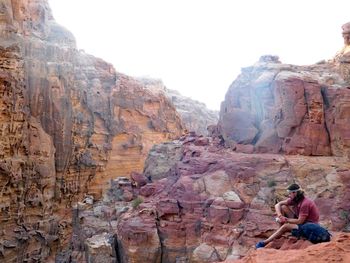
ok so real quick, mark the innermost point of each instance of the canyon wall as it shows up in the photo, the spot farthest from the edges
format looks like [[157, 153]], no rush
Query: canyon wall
[[210, 199], [194, 114], [279, 108], [69, 123], [210, 204]]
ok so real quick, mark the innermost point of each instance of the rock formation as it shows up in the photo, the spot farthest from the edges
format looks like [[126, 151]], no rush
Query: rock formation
[[211, 205], [279, 108], [342, 58], [335, 251], [194, 114], [68, 124], [209, 199]]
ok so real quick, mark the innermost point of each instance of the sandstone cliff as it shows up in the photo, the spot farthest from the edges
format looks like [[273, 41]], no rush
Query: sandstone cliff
[[211, 204], [210, 199], [194, 114], [68, 124], [279, 108]]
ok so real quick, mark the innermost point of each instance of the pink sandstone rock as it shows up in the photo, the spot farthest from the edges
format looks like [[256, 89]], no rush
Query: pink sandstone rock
[[214, 206], [287, 109], [69, 123]]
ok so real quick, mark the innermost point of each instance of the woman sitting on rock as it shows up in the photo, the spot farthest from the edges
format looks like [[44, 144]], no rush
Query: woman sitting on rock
[[292, 213]]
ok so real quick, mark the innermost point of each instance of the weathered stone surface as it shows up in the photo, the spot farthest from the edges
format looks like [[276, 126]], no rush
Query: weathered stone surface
[[138, 240], [289, 109], [141, 118], [336, 250], [279, 124], [204, 253], [194, 114], [203, 215], [161, 159], [99, 249], [27, 176], [215, 205], [342, 57], [68, 125]]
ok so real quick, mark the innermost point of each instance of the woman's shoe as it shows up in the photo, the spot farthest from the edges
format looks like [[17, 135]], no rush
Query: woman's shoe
[[260, 244]]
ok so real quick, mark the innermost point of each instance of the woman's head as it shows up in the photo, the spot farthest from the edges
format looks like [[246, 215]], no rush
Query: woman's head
[[295, 193]]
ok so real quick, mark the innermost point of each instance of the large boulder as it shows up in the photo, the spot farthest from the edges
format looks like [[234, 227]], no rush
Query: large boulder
[[283, 108], [215, 204]]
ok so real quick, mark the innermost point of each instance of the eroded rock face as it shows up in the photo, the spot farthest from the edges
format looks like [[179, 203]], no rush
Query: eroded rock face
[[140, 119], [214, 203], [210, 199], [27, 175], [68, 124], [161, 159], [100, 249], [194, 114], [287, 109]]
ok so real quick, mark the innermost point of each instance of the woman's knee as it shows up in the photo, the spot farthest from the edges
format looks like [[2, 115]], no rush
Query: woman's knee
[[288, 227], [286, 211], [284, 207], [284, 227]]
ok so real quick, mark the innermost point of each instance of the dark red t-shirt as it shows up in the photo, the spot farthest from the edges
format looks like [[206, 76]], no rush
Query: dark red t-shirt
[[307, 208]]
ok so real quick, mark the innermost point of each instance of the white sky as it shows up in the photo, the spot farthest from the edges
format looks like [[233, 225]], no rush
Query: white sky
[[199, 46]]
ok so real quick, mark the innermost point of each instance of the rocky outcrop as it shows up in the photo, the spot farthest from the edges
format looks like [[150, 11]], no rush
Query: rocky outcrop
[[211, 199], [337, 250], [194, 114], [68, 124], [161, 159], [213, 204], [141, 118], [100, 249], [274, 107]]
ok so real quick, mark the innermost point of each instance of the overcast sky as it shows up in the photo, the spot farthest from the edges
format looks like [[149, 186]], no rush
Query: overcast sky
[[199, 46]]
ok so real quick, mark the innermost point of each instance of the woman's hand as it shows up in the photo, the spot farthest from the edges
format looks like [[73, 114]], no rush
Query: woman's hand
[[282, 219]]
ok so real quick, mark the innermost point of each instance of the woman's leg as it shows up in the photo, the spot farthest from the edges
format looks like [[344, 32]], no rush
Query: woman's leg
[[283, 229], [288, 212]]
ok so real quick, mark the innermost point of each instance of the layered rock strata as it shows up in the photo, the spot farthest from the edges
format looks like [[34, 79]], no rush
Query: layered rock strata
[[280, 108], [68, 124], [211, 205], [214, 199]]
